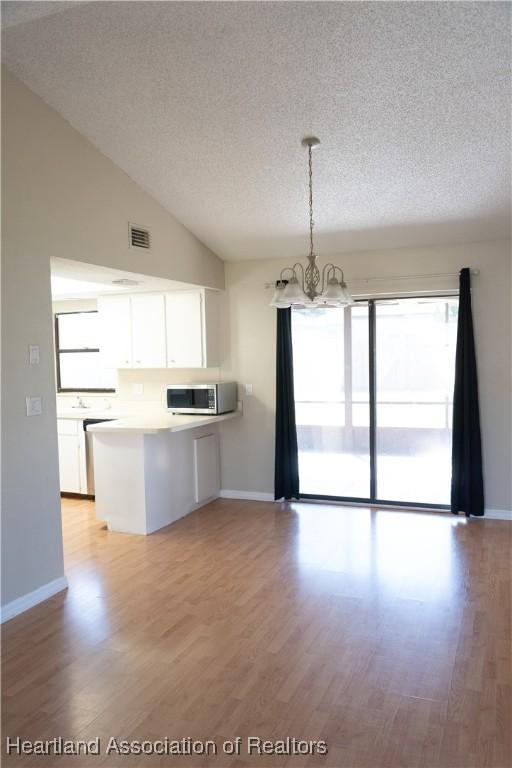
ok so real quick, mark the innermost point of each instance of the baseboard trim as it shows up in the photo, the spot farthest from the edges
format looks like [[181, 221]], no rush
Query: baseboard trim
[[490, 514], [246, 495], [23, 603], [496, 514]]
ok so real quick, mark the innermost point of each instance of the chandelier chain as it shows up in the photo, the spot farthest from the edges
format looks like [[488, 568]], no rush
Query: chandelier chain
[[311, 222], [315, 288]]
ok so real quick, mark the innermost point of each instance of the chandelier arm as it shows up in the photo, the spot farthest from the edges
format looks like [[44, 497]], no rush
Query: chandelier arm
[[325, 273], [332, 268], [323, 278], [286, 269], [298, 264]]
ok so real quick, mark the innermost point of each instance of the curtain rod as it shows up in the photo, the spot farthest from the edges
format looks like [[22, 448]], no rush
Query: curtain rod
[[474, 272], [409, 277]]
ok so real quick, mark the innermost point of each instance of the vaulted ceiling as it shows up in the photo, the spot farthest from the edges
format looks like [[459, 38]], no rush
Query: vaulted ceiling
[[204, 105]]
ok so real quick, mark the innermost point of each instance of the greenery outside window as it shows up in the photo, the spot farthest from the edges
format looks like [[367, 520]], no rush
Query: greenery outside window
[[77, 351]]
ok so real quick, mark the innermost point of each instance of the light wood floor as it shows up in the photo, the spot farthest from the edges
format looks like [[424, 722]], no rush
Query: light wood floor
[[385, 633]]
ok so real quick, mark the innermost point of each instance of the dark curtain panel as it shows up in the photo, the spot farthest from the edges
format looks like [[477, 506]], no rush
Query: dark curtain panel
[[286, 475], [467, 479]]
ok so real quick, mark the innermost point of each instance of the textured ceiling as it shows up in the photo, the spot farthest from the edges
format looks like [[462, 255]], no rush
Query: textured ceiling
[[205, 104]]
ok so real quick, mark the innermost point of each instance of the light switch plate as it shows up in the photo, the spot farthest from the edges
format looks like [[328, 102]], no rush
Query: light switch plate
[[33, 354], [248, 389], [34, 406]]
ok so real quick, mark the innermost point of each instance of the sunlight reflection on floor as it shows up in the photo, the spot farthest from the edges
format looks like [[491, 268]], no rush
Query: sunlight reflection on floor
[[402, 552]]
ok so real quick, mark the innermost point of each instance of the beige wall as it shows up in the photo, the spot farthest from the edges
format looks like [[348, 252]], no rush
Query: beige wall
[[60, 198], [249, 328], [76, 204]]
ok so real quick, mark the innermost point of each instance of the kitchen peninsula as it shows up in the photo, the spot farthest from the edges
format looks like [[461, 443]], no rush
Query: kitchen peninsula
[[150, 471]]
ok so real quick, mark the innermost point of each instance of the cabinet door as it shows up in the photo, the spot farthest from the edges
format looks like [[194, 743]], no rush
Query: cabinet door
[[148, 331], [184, 330], [206, 468], [115, 331], [69, 464]]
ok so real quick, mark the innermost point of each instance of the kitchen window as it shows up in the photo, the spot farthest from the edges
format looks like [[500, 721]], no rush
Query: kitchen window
[[78, 357]]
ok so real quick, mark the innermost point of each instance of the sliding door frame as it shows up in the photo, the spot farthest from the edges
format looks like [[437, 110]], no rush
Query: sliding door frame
[[373, 500]]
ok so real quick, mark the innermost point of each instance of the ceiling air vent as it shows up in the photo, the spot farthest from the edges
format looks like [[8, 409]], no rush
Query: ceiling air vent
[[125, 281], [139, 237]]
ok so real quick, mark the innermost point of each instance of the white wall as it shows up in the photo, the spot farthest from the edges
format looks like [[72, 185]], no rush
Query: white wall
[[249, 328], [60, 198]]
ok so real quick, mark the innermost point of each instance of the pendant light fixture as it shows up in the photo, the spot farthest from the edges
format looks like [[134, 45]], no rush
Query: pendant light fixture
[[309, 287]]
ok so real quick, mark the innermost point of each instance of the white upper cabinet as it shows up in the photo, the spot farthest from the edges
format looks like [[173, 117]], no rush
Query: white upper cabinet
[[154, 330], [115, 331], [184, 330], [192, 320], [148, 331]]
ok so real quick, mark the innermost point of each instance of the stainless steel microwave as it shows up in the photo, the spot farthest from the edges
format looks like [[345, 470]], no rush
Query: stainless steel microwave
[[212, 399]]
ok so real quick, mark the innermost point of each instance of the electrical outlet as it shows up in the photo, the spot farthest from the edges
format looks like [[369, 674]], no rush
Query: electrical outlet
[[248, 390], [34, 406]]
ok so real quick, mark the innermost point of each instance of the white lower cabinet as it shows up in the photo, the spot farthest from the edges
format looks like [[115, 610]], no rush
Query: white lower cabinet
[[206, 468], [145, 481], [72, 467]]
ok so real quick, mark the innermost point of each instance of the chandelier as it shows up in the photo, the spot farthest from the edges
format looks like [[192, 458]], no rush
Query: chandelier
[[308, 287]]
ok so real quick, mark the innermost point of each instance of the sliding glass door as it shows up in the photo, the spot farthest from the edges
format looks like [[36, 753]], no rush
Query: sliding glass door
[[373, 392], [330, 355], [415, 366]]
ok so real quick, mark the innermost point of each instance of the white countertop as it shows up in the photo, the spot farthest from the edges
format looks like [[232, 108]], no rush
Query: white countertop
[[159, 423]]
